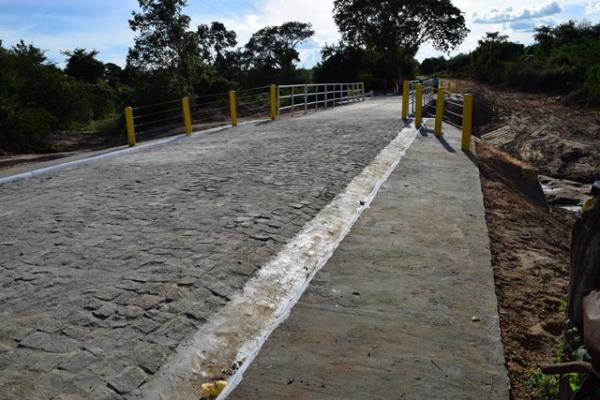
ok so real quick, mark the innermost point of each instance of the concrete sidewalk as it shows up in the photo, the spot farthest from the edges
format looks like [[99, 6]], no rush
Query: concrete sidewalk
[[406, 308]]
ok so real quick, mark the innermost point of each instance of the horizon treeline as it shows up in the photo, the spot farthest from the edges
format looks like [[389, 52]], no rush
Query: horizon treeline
[[564, 59]]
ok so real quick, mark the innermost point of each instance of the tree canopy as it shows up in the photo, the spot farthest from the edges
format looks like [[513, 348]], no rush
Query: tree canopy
[[161, 29], [83, 65], [275, 46], [392, 25], [214, 40]]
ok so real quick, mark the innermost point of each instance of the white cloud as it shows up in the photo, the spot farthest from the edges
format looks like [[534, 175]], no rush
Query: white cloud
[[592, 8], [275, 12], [109, 33], [509, 14]]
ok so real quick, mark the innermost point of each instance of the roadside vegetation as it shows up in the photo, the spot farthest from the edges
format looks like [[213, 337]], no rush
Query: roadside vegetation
[[563, 59], [170, 59]]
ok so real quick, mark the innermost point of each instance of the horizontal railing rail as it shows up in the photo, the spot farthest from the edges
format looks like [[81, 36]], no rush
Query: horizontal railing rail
[[303, 97], [216, 109]]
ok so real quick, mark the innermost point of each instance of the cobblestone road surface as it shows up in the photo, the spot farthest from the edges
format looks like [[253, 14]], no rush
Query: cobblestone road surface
[[107, 267]]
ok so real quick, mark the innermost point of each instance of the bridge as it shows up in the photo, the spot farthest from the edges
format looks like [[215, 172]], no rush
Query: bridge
[[337, 254]]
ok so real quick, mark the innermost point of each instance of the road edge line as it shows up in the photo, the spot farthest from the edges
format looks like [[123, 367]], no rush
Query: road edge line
[[290, 272]]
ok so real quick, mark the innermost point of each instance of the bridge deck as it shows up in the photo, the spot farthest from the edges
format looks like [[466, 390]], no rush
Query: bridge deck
[[405, 308], [107, 267]]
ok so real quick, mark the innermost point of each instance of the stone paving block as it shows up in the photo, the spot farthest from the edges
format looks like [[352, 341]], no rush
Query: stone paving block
[[127, 381], [96, 251], [50, 343]]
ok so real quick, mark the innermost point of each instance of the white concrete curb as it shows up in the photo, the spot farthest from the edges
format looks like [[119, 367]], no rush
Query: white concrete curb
[[236, 333]]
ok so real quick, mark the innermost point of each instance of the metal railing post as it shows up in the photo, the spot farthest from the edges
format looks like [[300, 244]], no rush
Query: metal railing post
[[333, 102], [405, 99], [419, 105], [130, 126], [439, 111], [325, 94], [316, 97], [278, 100], [187, 119], [233, 108], [305, 99], [273, 102], [467, 122], [293, 100], [362, 87]]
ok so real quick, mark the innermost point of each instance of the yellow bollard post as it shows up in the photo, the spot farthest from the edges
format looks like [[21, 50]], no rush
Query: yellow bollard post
[[439, 111], [187, 117], [130, 126], [467, 122], [405, 95], [419, 105], [233, 108], [273, 102]]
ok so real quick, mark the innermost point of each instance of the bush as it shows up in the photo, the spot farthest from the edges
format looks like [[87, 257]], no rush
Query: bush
[[592, 84], [25, 129], [432, 65], [527, 76], [459, 64]]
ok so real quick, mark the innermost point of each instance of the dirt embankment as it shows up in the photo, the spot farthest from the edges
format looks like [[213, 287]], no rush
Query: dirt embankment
[[530, 139], [560, 139], [530, 245]]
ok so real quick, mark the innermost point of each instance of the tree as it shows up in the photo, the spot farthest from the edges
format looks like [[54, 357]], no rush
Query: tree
[[113, 74], [433, 64], [490, 58], [163, 41], [214, 40], [83, 65], [400, 27], [274, 47], [28, 53]]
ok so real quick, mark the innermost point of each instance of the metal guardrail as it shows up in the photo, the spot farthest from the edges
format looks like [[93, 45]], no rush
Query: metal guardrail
[[451, 107], [310, 96], [215, 109]]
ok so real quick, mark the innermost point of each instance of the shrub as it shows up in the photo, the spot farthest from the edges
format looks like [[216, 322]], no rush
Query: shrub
[[25, 129], [592, 84]]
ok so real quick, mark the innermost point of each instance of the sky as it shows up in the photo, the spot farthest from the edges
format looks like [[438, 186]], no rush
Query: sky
[[62, 25]]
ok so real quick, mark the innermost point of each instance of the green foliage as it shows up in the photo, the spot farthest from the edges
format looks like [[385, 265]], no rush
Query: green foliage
[[592, 84], [563, 58], [434, 64], [347, 63], [398, 28], [164, 42], [83, 65], [392, 25], [214, 42], [170, 59], [541, 386], [274, 47], [562, 307], [459, 64], [38, 98], [490, 59]]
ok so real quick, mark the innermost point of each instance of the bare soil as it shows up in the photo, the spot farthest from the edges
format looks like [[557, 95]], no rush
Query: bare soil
[[530, 138], [552, 133], [530, 245]]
